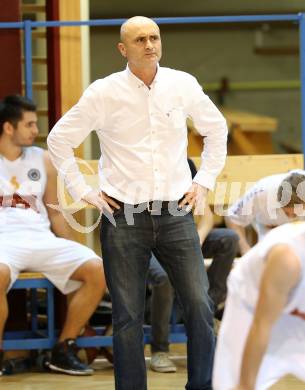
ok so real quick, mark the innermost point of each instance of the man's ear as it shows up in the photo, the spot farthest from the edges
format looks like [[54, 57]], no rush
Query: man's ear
[[8, 128], [122, 49]]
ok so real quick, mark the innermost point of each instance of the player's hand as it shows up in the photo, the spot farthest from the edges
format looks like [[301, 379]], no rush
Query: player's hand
[[195, 197]]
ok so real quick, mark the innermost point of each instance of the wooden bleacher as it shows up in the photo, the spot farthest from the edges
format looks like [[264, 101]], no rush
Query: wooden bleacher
[[249, 133], [246, 170]]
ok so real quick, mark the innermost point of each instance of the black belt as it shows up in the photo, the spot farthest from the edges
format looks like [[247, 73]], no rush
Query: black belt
[[153, 205]]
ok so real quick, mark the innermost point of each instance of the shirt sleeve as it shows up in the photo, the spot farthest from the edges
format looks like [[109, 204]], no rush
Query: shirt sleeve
[[243, 211], [211, 124], [69, 132]]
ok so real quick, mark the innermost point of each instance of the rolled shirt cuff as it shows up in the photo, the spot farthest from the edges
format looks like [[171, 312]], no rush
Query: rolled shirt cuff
[[205, 179]]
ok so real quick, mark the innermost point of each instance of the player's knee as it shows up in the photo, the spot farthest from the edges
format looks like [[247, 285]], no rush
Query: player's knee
[[230, 240], [5, 277], [94, 274]]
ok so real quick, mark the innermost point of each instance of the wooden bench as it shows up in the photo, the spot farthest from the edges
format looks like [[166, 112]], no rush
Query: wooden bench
[[249, 133]]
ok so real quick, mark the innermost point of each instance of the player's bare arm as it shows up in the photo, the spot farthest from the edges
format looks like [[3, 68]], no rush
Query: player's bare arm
[[281, 274]]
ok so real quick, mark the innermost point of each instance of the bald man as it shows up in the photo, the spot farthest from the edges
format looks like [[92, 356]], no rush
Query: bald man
[[147, 192]]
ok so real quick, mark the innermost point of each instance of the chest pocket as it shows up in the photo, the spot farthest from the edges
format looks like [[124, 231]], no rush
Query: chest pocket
[[176, 117]]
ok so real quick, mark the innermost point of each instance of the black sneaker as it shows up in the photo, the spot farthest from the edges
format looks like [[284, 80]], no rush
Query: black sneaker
[[1, 361], [64, 359]]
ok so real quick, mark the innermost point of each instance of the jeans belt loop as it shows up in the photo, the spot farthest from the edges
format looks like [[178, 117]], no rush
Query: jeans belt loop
[[149, 206]]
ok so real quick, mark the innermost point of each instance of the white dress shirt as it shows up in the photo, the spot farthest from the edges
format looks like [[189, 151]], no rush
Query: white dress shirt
[[143, 136]]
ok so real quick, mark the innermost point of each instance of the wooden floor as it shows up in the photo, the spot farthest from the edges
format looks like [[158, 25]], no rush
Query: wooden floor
[[103, 378]]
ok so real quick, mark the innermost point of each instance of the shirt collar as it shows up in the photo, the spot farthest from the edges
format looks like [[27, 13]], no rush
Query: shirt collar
[[139, 83]]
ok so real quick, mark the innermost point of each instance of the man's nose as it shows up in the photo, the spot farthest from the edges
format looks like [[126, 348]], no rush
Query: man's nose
[[35, 130], [149, 44], [290, 212]]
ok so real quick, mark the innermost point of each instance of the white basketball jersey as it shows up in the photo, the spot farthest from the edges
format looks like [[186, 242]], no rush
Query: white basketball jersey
[[22, 186], [260, 207], [245, 277]]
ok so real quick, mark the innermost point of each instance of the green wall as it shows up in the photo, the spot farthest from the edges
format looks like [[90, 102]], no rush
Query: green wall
[[215, 51]]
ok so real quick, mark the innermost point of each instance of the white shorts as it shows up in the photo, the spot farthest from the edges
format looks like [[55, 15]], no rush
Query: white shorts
[[56, 258], [285, 353]]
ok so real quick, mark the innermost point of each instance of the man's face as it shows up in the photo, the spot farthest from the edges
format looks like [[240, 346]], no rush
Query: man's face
[[141, 44], [294, 211], [289, 211], [26, 131]]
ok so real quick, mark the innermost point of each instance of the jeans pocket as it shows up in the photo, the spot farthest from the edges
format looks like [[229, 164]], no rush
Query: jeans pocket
[[118, 213]]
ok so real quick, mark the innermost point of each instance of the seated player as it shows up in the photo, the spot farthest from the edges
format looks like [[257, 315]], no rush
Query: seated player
[[35, 237], [269, 203]]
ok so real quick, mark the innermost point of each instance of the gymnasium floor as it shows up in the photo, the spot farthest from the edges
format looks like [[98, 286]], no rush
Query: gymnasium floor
[[103, 378]]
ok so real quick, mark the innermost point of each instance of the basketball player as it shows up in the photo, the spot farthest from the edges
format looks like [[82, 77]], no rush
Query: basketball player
[[35, 237], [262, 335], [269, 203]]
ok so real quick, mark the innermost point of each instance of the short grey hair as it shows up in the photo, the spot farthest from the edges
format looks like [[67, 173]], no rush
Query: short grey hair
[[292, 190]]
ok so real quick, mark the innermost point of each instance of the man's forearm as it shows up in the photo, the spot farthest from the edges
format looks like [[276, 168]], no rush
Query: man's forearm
[[205, 224], [65, 136], [203, 233], [69, 175], [254, 351], [244, 246]]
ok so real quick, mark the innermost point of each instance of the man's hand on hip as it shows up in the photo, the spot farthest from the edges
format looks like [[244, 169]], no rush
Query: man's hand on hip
[[101, 201], [195, 197]]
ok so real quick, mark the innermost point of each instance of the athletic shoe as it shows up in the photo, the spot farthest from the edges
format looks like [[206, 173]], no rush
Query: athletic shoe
[[160, 362], [64, 359]]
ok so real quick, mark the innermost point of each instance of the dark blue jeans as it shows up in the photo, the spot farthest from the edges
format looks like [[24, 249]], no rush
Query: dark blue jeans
[[221, 244], [162, 299], [126, 252]]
